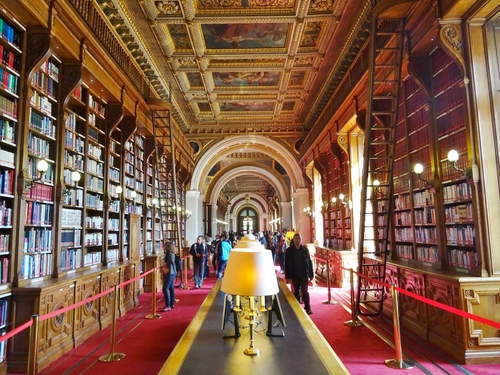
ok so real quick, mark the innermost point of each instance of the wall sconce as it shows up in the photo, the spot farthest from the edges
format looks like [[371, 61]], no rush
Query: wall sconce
[[154, 202], [341, 200], [453, 157], [75, 178], [308, 211], [42, 167], [418, 169], [188, 214], [378, 193], [118, 191], [133, 194]]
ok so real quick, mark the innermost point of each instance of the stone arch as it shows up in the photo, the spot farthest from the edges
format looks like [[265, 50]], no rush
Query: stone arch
[[226, 174], [247, 143]]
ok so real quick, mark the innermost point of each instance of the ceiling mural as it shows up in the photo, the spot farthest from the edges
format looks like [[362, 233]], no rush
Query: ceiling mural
[[236, 66]]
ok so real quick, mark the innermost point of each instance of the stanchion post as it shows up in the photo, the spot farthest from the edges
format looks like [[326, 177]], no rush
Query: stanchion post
[[329, 301], [314, 268], [33, 349], [154, 314], [398, 362], [112, 356], [354, 322]]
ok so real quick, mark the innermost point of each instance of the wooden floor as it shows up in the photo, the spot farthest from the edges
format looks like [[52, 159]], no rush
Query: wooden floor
[[202, 348]]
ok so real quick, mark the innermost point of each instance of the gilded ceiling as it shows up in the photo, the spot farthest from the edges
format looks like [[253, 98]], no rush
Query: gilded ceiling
[[241, 66]]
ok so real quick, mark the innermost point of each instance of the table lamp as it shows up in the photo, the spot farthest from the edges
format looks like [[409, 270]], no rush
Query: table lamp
[[250, 273]]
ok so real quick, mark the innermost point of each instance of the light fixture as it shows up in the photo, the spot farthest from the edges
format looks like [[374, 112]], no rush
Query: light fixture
[[378, 193], [418, 169], [75, 178], [342, 200], [308, 211], [42, 166], [453, 157], [133, 194], [188, 214], [154, 201], [250, 274], [119, 190]]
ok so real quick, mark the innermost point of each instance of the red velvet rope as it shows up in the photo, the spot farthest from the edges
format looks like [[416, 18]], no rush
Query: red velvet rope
[[52, 314], [439, 305]]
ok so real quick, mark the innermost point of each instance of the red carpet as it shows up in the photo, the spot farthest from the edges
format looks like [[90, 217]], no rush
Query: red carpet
[[147, 343]]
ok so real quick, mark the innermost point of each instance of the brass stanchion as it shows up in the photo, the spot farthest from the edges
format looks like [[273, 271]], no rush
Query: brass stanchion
[[354, 322], [33, 352], [154, 314], [398, 362], [184, 275], [112, 356], [329, 301], [314, 273]]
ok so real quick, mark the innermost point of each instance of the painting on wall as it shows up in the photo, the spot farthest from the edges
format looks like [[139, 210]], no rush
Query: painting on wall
[[245, 78], [179, 36], [245, 35], [246, 106]]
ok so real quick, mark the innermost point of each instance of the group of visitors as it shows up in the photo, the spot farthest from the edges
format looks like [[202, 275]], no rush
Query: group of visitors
[[286, 247]]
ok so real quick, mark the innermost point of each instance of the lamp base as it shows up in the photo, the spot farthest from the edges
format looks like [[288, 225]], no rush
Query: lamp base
[[251, 351]]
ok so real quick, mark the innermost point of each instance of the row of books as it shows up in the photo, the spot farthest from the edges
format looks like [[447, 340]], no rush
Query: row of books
[[74, 161], [10, 34], [92, 239], [425, 216], [462, 258], [42, 124], [4, 275], [4, 242], [38, 213], [73, 197], [41, 103], [464, 235], [426, 235], [41, 192], [96, 106], [36, 265], [423, 198], [5, 214], [7, 181], [404, 251], [95, 152], [71, 120], [8, 81], [456, 192], [75, 141], [37, 240], [8, 107], [94, 183], [458, 213], [94, 201], [3, 311], [94, 222], [38, 146], [71, 237], [47, 84], [428, 254], [50, 68], [10, 59], [71, 217], [7, 130], [71, 259], [404, 234], [90, 259], [113, 224], [7, 157], [402, 218]]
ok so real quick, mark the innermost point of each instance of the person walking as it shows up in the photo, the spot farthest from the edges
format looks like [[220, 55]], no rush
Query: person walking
[[299, 270], [281, 247], [169, 273], [223, 253], [199, 252]]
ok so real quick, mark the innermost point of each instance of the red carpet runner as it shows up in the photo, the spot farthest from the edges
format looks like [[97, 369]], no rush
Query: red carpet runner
[[147, 343]]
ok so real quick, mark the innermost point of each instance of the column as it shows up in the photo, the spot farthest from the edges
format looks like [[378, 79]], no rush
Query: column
[[300, 200]]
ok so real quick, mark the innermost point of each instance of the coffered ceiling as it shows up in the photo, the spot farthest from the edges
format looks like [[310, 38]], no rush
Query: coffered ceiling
[[242, 66]]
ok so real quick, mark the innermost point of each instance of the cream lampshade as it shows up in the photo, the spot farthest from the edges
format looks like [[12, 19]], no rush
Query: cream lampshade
[[250, 273]]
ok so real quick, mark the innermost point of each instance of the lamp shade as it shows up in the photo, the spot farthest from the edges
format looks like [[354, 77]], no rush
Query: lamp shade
[[250, 273]]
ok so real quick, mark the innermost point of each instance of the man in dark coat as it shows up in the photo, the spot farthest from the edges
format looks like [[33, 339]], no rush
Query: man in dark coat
[[299, 270]]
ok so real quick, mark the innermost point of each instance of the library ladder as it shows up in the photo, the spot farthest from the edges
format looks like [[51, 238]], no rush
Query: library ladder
[[165, 187], [377, 205]]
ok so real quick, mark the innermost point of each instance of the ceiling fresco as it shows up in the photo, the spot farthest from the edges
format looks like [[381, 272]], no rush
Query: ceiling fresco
[[258, 66]]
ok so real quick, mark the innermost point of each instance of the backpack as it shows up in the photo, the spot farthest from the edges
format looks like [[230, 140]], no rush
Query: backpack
[[178, 263]]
